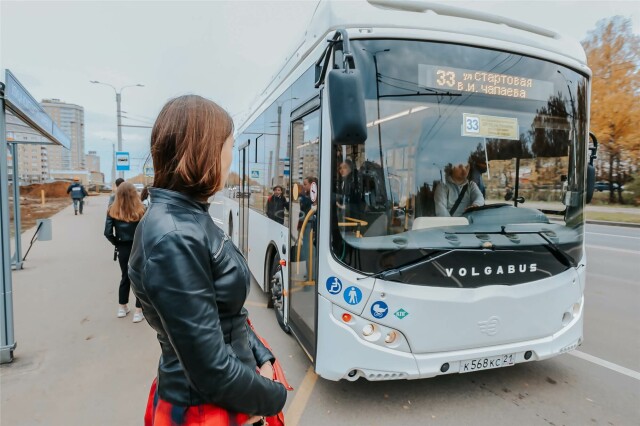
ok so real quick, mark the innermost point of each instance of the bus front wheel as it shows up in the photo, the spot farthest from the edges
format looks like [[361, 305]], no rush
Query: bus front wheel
[[277, 292]]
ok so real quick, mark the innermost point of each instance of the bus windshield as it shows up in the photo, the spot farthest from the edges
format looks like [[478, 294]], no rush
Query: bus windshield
[[469, 150]]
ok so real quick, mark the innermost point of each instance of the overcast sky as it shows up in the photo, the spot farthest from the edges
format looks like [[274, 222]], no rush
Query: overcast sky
[[224, 50]]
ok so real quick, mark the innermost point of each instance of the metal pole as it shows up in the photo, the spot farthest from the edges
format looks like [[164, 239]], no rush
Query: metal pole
[[7, 342], [384, 169], [113, 167], [277, 156], [17, 255], [375, 64], [121, 174]]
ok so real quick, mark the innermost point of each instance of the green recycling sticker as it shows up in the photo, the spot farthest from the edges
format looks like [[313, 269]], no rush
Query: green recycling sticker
[[401, 313]]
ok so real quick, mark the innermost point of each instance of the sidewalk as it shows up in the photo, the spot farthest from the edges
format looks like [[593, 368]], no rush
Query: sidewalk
[[75, 363]]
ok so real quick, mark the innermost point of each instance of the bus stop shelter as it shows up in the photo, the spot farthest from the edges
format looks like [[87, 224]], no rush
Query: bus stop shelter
[[26, 114]]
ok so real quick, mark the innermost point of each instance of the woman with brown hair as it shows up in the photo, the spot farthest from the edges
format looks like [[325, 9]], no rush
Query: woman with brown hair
[[193, 282], [123, 217]]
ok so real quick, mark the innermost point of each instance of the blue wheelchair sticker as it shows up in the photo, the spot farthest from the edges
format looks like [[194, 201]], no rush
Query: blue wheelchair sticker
[[352, 295], [379, 309], [334, 285]]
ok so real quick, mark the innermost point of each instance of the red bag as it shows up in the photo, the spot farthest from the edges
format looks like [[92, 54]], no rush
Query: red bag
[[278, 376], [162, 413]]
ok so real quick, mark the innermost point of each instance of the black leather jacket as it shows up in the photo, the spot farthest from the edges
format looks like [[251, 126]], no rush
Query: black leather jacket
[[192, 283], [125, 231]]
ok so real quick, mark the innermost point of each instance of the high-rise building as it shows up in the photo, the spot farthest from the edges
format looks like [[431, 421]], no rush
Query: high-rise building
[[33, 163], [92, 161], [93, 166], [70, 119]]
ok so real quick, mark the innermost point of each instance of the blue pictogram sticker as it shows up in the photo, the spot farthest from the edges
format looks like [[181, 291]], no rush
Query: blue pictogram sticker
[[352, 295], [379, 309], [334, 285]]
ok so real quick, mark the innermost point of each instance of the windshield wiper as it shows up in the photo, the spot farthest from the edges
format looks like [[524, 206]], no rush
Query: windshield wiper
[[390, 273], [557, 252], [426, 258]]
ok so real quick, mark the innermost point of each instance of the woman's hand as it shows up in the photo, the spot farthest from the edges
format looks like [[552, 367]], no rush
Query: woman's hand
[[253, 420], [267, 370]]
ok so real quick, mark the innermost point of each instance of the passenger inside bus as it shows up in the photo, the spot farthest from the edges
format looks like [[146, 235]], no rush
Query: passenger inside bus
[[348, 198], [478, 168], [305, 198], [456, 194], [276, 205], [307, 222]]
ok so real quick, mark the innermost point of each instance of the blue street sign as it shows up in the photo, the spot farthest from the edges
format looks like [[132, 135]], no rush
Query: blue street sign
[[122, 161]]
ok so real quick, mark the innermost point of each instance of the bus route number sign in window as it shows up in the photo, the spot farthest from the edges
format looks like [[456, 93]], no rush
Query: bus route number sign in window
[[488, 126], [483, 82]]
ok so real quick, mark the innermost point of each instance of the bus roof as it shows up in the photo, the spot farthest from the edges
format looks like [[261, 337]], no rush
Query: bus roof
[[369, 17]]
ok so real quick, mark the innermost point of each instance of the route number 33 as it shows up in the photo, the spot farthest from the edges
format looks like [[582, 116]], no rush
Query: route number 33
[[472, 124]]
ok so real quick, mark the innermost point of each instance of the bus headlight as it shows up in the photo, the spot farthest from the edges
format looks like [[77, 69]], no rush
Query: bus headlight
[[576, 309], [371, 332], [391, 337]]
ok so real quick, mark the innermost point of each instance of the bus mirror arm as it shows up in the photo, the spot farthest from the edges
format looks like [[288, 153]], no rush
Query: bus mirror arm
[[348, 62]]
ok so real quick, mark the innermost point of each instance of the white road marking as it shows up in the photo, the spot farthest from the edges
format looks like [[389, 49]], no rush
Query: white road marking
[[613, 235], [299, 403], [613, 249], [606, 364]]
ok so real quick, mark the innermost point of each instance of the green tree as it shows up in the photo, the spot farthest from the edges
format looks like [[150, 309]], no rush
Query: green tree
[[613, 54]]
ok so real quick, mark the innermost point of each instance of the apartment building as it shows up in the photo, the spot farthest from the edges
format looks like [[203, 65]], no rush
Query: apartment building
[[70, 119]]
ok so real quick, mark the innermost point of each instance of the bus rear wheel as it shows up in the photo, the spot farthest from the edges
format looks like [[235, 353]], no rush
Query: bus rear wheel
[[277, 292]]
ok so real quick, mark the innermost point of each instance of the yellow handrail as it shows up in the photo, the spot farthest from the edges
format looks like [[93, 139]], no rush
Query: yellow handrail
[[310, 213], [354, 222]]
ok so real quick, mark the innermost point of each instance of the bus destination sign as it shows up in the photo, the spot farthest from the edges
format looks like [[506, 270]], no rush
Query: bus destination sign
[[488, 83]]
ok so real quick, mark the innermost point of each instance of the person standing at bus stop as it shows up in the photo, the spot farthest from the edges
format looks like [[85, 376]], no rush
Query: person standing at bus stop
[[123, 218], [112, 197], [192, 282], [77, 195]]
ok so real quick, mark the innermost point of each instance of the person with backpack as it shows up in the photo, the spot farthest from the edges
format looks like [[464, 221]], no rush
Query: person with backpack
[[77, 191], [456, 194]]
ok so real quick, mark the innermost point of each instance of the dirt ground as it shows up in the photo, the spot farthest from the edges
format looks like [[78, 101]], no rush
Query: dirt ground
[[31, 207]]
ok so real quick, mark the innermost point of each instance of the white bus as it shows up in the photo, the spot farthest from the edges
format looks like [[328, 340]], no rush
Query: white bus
[[369, 130]]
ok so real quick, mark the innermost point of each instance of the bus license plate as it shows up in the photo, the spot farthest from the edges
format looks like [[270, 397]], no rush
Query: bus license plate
[[478, 364]]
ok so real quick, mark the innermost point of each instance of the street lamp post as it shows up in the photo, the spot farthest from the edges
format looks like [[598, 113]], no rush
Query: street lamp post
[[118, 98], [113, 167]]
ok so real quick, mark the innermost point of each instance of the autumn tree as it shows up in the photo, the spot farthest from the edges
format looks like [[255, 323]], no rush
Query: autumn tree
[[613, 54]]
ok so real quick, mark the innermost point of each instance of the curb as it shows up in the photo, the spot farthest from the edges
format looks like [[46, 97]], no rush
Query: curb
[[607, 222]]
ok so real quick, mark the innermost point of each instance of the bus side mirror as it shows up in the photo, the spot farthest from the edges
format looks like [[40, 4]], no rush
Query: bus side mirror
[[346, 107], [591, 181]]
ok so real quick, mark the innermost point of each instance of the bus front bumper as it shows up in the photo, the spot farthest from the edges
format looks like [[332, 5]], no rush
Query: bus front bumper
[[342, 354]]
